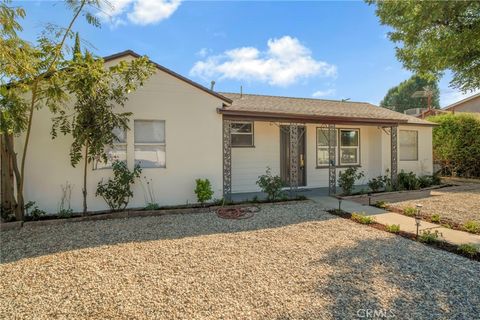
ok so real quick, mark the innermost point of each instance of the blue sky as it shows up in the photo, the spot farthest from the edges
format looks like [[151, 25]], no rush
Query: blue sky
[[331, 50]]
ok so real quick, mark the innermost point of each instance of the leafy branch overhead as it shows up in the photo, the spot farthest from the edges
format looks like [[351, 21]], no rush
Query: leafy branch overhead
[[434, 36]]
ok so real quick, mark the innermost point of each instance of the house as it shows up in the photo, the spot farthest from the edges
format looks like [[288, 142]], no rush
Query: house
[[181, 131], [470, 104]]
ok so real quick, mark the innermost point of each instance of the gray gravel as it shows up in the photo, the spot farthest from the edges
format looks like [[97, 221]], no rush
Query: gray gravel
[[458, 203], [288, 262]]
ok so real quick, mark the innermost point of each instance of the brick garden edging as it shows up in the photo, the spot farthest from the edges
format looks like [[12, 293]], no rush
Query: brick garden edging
[[16, 225]]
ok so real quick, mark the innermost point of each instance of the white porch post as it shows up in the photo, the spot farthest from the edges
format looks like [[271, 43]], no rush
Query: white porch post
[[332, 169], [293, 158], [394, 154]]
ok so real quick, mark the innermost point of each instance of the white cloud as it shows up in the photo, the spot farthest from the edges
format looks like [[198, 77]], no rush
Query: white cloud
[[141, 12], [449, 97], [324, 93], [203, 52], [286, 61]]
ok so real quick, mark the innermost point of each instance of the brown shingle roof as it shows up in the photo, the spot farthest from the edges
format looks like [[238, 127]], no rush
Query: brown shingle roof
[[315, 109]]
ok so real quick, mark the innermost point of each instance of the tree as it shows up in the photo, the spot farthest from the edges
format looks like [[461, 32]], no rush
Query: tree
[[29, 78], [399, 98], [435, 36], [77, 51], [97, 92], [456, 144]]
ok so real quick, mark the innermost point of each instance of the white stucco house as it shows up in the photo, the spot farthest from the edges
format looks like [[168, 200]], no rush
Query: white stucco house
[[181, 131]]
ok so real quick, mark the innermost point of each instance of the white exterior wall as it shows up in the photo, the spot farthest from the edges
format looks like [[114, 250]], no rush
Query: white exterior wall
[[249, 163], [193, 132]]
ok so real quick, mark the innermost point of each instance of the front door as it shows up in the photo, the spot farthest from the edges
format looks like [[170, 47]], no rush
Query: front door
[[285, 155]]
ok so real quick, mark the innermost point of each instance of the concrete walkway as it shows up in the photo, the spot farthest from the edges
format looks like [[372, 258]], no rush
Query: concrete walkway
[[406, 223]]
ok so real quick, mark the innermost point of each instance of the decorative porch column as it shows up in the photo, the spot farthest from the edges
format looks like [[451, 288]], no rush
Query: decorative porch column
[[227, 160], [332, 171], [293, 158], [394, 154]]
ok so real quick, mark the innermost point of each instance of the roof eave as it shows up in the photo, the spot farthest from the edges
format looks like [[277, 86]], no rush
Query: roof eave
[[273, 116]]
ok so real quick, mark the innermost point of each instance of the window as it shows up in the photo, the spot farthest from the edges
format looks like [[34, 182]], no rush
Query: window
[[408, 145], [242, 134], [116, 152], [349, 147], [322, 146], [150, 143]]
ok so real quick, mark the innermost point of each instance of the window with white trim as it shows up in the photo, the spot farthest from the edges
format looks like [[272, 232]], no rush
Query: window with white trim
[[408, 145], [349, 154], [150, 146], [116, 152], [322, 146], [242, 134]]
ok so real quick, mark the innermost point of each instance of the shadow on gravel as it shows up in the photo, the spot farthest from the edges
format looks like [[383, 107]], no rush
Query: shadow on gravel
[[32, 242], [399, 279]]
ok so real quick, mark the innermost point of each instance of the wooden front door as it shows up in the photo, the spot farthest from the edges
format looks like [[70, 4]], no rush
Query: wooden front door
[[285, 155]]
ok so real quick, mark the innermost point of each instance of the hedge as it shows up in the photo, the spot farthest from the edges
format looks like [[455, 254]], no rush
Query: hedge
[[456, 144]]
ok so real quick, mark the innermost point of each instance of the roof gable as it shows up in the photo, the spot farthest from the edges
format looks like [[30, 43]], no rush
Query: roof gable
[[168, 71]]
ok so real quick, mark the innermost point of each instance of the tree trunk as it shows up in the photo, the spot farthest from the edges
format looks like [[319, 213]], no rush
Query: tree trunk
[[85, 181], [19, 208], [8, 202]]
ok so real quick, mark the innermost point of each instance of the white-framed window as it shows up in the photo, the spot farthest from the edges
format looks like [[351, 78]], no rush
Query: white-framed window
[[116, 152], [349, 153], [242, 134], [408, 145], [322, 147], [150, 146]]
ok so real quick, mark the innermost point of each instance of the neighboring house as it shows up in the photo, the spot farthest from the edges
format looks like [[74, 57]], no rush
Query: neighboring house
[[470, 104], [181, 131]]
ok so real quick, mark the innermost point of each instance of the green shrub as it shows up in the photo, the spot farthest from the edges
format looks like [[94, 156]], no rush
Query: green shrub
[[376, 184], [436, 179], [430, 237], [346, 180], [394, 228], [7, 215], [65, 213], [435, 218], [381, 204], [203, 190], [425, 181], [32, 210], [271, 185], [456, 144], [446, 225], [117, 192], [407, 181], [472, 226], [362, 218], [409, 211], [467, 249], [152, 206]]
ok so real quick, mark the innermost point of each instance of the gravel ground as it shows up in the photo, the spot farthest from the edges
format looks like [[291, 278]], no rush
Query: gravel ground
[[458, 204], [288, 262]]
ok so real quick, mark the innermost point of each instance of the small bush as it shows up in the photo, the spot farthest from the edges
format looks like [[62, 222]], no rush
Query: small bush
[[381, 204], [446, 225], [347, 179], [407, 181], [436, 180], [425, 181], [362, 218], [203, 190], [152, 206], [467, 249], [376, 184], [394, 228], [435, 218], [409, 211], [117, 192], [7, 215], [32, 210], [472, 226], [430, 237], [65, 213], [271, 185]]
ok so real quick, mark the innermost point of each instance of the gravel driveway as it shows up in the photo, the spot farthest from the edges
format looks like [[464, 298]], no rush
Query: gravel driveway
[[288, 262], [458, 203]]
